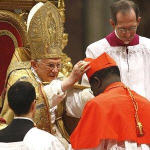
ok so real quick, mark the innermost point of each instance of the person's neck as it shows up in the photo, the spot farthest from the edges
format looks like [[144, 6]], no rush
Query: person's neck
[[26, 116], [110, 80], [38, 79], [119, 38]]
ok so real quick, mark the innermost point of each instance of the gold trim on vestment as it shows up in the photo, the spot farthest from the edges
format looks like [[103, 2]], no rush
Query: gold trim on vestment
[[59, 121]]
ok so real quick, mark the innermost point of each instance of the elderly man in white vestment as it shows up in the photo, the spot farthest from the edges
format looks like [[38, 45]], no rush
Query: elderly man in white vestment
[[129, 50], [22, 133], [45, 30]]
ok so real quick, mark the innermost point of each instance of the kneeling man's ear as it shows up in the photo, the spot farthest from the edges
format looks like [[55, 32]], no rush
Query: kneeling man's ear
[[96, 82]]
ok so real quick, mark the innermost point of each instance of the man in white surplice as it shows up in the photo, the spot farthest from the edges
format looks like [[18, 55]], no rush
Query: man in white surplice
[[129, 50], [21, 133]]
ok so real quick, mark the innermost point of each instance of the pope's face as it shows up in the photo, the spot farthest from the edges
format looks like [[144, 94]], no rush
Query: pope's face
[[47, 69], [126, 25]]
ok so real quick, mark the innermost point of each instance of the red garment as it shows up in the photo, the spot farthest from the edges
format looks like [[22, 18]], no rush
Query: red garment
[[110, 115], [2, 121], [113, 40]]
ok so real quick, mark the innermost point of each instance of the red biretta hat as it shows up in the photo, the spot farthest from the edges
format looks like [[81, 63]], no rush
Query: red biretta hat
[[101, 62]]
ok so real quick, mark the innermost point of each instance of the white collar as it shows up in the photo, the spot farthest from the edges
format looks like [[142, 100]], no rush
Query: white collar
[[117, 34], [35, 75], [24, 118], [119, 38]]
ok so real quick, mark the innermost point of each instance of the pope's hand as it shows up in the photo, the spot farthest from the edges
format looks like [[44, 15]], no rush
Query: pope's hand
[[78, 70]]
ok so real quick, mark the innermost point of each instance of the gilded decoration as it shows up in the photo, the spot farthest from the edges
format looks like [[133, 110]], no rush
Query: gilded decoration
[[8, 33], [66, 61], [67, 65], [17, 21], [61, 8], [45, 33]]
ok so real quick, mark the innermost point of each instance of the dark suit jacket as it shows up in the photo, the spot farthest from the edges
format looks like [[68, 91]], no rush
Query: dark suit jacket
[[16, 131]]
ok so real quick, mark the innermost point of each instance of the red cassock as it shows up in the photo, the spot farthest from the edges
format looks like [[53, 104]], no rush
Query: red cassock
[[111, 115]]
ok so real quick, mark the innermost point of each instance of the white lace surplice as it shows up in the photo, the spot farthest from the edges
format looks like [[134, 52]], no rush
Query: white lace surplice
[[35, 139], [112, 145], [13, 146], [134, 66]]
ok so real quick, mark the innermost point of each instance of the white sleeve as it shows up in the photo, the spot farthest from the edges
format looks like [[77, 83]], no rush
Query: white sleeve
[[89, 52], [37, 139], [54, 93], [76, 100], [99, 147], [56, 145], [85, 80]]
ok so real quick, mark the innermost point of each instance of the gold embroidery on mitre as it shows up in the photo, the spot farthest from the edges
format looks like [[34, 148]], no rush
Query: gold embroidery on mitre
[[45, 33]]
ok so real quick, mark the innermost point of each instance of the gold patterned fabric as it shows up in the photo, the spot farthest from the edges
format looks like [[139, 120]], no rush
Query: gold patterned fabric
[[42, 115], [59, 120], [45, 33]]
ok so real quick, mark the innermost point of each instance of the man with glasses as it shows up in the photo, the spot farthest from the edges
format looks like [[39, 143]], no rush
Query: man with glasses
[[43, 71], [129, 50]]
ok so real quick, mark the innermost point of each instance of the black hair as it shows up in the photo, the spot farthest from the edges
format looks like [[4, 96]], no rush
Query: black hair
[[102, 74], [20, 96], [123, 6]]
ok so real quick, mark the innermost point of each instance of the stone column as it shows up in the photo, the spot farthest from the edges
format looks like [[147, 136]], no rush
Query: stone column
[[96, 20]]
